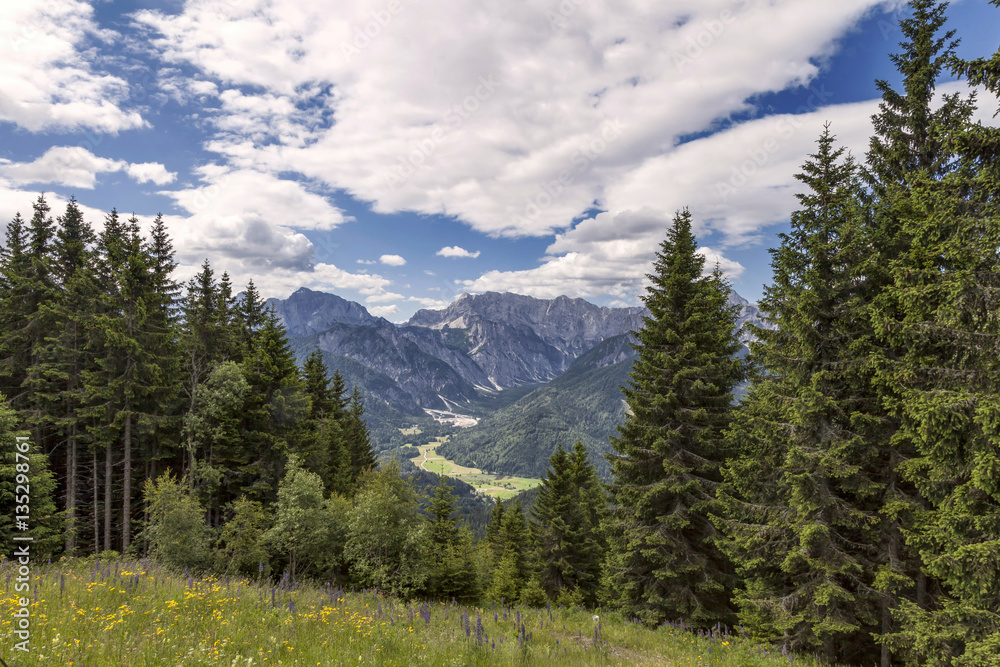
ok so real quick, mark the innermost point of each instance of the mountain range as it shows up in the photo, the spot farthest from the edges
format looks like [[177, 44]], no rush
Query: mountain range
[[562, 359]]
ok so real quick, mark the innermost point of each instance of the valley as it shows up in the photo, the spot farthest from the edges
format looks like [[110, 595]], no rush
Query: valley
[[507, 376], [492, 485]]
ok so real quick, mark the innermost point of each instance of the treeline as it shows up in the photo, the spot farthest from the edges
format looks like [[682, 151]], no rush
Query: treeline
[[850, 505], [121, 375]]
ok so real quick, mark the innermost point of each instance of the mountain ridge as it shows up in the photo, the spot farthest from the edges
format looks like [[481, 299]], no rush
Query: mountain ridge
[[463, 354]]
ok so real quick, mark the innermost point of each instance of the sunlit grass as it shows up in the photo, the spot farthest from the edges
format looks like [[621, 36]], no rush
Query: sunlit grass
[[497, 486], [137, 614]]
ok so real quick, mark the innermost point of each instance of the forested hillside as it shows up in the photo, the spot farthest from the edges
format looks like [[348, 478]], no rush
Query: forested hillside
[[583, 404]]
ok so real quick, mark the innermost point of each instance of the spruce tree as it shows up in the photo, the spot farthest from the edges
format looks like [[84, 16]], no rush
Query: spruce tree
[[357, 439], [943, 293], [568, 513], [321, 443], [125, 388], [914, 148], [276, 403], [338, 396], [513, 555], [22, 464], [664, 563], [164, 304], [66, 357], [450, 553], [14, 303], [829, 477], [41, 293]]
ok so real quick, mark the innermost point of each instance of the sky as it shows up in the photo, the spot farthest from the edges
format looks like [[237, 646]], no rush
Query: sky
[[401, 153]]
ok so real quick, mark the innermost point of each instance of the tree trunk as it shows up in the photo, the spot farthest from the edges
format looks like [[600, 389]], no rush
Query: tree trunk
[[127, 483], [107, 497], [97, 531], [71, 527], [886, 660]]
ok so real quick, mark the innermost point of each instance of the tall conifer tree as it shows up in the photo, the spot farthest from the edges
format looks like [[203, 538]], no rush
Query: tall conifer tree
[[816, 420], [663, 561], [914, 147], [66, 356], [943, 293], [568, 510]]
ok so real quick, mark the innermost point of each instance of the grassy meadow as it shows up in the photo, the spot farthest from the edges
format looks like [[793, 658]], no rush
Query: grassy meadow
[[496, 486], [126, 613]]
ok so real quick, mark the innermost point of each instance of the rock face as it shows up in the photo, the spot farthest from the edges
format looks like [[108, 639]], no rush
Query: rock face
[[749, 314], [479, 343], [518, 339], [307, 312]]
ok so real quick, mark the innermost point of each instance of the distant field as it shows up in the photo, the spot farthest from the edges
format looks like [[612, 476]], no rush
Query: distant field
[[496, 486], [138, 614]]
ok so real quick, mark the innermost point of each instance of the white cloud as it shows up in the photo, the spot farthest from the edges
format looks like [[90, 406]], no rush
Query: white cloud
[[227, 192], [434, 304], [504, 103], [382, 297], [456, 251], [367, 261], [713, 258], [384, 311], [392, 260], [150, 172], [49, 80], [735, 182], [71, 166], [76, 167]]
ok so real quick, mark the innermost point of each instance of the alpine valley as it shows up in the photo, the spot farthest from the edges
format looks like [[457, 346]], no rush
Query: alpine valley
[[508, 376]]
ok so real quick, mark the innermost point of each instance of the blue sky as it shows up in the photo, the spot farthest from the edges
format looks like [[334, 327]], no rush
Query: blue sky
[[401, 153]]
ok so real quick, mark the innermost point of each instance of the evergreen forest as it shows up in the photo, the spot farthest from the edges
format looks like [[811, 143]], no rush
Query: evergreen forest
[[847, 505]]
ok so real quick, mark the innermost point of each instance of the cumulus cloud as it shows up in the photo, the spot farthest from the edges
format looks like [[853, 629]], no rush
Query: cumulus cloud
[[226, 192], [49, 80], [367, 261], [77, 167], [392, 260], [382, 297], [384, 311], [735, 183], [456, 251], [150, 172], [73, 167], [729, 268], [434, 304], [521, 124]]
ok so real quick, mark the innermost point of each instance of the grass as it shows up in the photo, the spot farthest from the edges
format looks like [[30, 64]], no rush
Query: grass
[[497, 486], [138, 614]]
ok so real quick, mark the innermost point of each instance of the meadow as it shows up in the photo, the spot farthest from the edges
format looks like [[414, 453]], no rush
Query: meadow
[[496, 486], [128, 613]]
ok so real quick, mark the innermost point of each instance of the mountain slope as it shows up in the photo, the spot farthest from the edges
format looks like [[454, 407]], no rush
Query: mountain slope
[[584, 403], [518, 339], [464, 354], [307, 312]]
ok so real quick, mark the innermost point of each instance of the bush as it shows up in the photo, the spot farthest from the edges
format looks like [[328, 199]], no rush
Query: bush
[[177, 534]]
